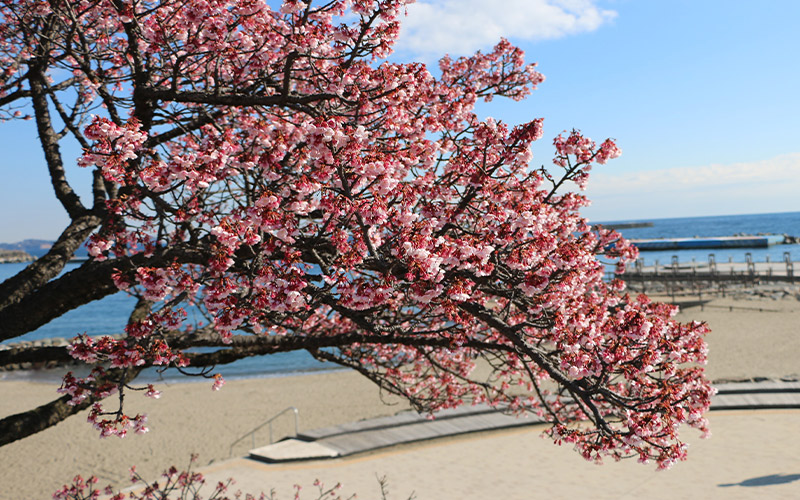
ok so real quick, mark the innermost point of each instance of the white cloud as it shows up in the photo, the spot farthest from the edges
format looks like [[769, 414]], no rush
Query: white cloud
[[771, 185], [460, 27], [779, 169]]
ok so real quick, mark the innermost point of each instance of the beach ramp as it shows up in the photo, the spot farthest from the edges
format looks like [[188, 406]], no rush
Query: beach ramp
[[757, 395], [405, 427]]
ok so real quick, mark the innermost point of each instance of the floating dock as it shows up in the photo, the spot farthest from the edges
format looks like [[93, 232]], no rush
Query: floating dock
[[716, 242]]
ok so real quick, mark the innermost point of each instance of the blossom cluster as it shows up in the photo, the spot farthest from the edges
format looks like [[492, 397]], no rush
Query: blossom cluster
[[112, 147]]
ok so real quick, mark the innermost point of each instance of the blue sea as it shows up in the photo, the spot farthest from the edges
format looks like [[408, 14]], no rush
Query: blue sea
[[110, 314]]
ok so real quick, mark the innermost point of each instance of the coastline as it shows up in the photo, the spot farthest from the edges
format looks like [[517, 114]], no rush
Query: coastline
[[745, 343]]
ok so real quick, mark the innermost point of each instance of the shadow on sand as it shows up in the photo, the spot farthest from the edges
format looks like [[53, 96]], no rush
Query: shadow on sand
[[765, 480]]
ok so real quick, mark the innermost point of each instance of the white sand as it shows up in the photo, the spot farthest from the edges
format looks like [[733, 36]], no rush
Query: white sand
[[756, 338], [189, 418]]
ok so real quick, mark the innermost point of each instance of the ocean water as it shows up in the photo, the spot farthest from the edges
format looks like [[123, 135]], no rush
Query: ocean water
[[109, 315]]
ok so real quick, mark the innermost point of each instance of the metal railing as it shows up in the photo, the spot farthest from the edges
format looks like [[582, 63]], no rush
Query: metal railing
[[268, 422]]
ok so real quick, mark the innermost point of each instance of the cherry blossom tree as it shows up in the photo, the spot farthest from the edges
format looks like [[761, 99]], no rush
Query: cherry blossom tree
[[267, 166]]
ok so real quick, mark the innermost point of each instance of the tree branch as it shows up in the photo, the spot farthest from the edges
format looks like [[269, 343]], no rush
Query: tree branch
[[233, 99], [21, 425], [182, 129], [243, 346], [49, 265], [49, 141]]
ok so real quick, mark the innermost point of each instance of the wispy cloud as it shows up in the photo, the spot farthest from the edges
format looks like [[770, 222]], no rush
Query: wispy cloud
[[770, 185], [460, 27], [780, 169]]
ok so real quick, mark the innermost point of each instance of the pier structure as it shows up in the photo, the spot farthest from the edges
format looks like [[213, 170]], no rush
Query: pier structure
[[711, 277]]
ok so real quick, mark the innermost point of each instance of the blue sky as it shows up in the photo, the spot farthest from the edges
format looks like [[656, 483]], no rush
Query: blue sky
[[700, 95]]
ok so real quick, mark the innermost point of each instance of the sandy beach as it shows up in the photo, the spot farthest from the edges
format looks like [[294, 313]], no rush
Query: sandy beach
[[752, 336], [752, 455], [188, 418]]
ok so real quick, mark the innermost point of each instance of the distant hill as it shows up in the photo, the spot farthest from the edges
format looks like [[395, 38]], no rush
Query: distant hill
[[37, 248]]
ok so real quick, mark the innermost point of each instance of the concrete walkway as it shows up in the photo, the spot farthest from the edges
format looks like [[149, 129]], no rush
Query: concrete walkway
[[410, 427], [403, 428]]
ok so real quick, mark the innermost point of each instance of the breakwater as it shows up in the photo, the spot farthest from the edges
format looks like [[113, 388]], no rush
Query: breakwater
[[14, 256], [738, 241], [23, 355], [624, 225]]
